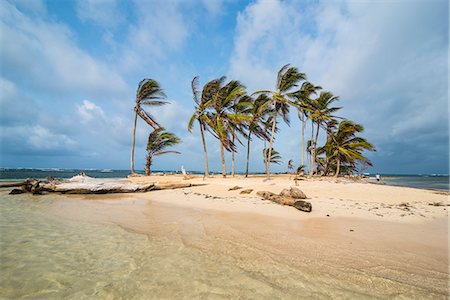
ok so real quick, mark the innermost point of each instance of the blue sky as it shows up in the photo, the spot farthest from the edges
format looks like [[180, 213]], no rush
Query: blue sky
[[69, 71]]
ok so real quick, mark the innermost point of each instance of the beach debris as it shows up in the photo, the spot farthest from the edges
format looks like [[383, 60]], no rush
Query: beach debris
[[16, 191], [286, 199], [89, 185], [405, 206], [247, 191], [235, 188], [293, 192], [303, 205], [437, 204]]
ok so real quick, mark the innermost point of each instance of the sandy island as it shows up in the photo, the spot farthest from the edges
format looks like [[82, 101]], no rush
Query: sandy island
[[362, 239]]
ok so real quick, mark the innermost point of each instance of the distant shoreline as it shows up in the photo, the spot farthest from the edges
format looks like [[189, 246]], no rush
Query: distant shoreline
[[427, 182]]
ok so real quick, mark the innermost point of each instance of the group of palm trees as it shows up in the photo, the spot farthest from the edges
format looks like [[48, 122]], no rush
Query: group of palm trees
[[150, 93], [227, 112]]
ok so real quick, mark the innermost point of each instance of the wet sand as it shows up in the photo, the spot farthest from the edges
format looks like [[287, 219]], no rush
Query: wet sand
[[360, 240]]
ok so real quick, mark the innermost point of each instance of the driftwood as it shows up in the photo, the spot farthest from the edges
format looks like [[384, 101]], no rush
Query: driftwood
[[247, 191], [235, 188], [12, 184], [288, 197], [87, 185]]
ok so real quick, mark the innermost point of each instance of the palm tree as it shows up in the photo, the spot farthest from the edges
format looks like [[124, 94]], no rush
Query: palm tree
[[320, 113], [288, 78], [200, 113], [148, 93], [290, 165], [222, 120], [258, 124], [241, 106], [158, 141], [346, 147], [303, 100], [274, 158]]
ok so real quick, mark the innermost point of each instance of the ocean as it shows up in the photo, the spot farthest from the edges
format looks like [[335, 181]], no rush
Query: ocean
[[432, 181]]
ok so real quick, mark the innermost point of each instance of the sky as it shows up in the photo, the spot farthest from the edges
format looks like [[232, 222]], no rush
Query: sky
[[70, 69]]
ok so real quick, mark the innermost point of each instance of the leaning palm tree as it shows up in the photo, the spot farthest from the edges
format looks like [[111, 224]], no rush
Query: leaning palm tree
[[346, 147], [288, 78], [148, 93], [158, 141], [320, 112], [200, 113], [222, 120]]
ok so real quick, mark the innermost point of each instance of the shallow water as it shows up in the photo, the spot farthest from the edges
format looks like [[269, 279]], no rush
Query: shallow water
[[46, 255]]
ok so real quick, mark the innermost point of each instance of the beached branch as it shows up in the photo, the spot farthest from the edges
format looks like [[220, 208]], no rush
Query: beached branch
[[290, 197], [92, 186]]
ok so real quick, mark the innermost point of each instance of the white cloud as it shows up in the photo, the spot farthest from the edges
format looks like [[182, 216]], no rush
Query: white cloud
[[43, 139], [34, 6], [8, 90], [88, 111], [160, 29], [213, 7], [44, 56], [105, 13]]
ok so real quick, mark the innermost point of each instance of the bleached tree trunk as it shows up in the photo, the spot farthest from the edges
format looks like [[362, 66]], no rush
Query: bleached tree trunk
[[338, 168], [148, 163], [315, 150], [133, 143], [232, 157], [271, 142], [204, 149], [248, 155], [222, 152], [303, 139]]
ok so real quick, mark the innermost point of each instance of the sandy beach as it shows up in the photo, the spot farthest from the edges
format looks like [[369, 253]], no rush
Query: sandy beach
[[360, 239]]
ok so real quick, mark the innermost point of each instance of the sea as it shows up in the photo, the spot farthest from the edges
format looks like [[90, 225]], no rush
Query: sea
[[421, 181]]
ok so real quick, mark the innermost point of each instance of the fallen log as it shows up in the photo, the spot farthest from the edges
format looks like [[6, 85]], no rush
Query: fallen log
[[87, 185], [12, 184], [288, 197], [171, 186]]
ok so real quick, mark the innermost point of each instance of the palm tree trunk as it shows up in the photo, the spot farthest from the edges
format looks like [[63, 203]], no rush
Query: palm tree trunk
[[222, 152], [204, 149], [315, 149], [338, 167], [133, 143], [148, 163], [271, 142], [232, 156], [303, 140], [248, 154], [311, 153]]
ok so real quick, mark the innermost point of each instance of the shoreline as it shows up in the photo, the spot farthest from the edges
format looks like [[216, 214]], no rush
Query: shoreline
[[253, 175], [344, 247]]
